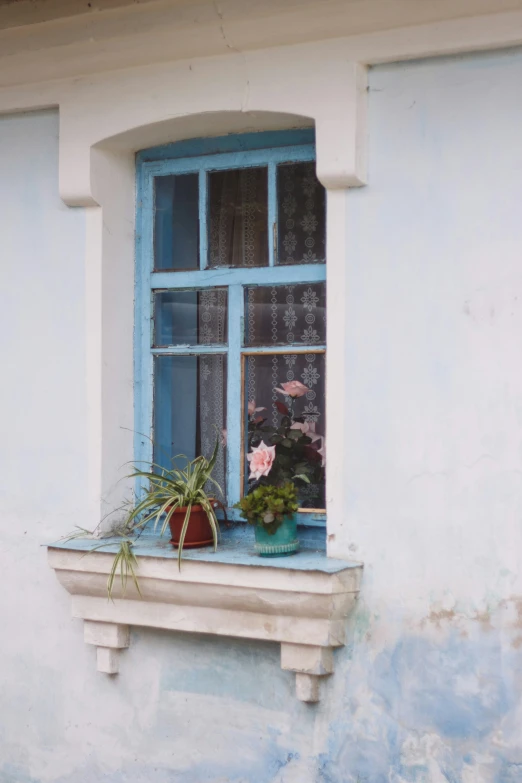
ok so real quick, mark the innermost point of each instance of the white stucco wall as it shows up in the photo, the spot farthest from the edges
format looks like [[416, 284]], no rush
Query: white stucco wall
[[431, 689], [434, 302], [42, 330]]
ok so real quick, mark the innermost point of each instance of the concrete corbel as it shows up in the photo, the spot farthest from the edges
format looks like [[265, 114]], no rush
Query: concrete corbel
[[310, 664], [109, 639]]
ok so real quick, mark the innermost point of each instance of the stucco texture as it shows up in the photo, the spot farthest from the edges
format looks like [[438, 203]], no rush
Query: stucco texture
[[429, 690]]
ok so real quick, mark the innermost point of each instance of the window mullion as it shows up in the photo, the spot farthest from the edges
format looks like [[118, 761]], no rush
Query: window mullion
[[203, 214], [143, 324], [189, 350], [234, 396], [209, 278], [272, 213], [291, 348]]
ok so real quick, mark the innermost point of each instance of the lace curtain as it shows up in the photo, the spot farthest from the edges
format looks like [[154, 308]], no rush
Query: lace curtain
[[212, 382], [289, 315], [301, 215], [238, 236], [238, 213]]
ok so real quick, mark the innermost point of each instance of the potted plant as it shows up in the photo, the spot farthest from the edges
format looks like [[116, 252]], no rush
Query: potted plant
[[272, 510], [281, 459], [177, 499]]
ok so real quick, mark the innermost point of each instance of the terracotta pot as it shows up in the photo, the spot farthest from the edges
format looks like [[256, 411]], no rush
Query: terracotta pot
[[199, 532]]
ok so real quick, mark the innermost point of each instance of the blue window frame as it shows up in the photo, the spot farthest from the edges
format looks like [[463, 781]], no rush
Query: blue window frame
[[174, 269]]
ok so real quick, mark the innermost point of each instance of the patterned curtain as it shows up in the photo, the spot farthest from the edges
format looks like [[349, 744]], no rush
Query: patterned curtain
[[238, 212], [212, 382], [238, 236], [301, 214], [291, 315]]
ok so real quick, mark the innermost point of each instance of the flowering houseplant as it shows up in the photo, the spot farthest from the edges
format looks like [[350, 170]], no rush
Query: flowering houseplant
[[281, 459], [291, 451]]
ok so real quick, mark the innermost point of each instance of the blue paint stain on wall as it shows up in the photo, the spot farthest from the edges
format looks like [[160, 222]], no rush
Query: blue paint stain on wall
[[421, 681], [456, 690], [14, 773], [421, 707]]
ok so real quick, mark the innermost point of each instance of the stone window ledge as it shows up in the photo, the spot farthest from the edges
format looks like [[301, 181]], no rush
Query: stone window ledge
[[301, 601]]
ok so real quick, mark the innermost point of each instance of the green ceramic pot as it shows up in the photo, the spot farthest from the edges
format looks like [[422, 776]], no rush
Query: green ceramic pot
[[283, 542]]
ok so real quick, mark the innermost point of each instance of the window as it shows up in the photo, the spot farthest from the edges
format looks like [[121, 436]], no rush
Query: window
[[230, 300]]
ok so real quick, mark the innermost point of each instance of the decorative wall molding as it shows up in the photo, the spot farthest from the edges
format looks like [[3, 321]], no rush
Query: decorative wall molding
[[157, 31], [305, 611], [211, 97]]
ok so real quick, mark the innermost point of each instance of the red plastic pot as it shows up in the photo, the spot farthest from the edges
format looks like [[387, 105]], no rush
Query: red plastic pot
[[199, 532]]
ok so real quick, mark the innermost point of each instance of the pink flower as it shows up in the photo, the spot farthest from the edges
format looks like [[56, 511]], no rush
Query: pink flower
[[261, 459], [307, 428], [252, 408], [293, 389]]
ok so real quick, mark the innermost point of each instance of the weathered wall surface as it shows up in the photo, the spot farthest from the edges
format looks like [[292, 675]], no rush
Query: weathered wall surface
[[430, 691], [434, 433]]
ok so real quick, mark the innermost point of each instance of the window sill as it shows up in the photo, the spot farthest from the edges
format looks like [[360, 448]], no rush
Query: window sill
[[300, 601]]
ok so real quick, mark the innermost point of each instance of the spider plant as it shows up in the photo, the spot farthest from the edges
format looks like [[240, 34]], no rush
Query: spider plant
[[168, 491]]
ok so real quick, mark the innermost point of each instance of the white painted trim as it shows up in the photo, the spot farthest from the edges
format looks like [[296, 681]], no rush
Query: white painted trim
[[93, 357], [97, 147], [336, 375], [102, 42], [343, 165]]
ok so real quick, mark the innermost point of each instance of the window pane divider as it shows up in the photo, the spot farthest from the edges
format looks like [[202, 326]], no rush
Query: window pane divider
[[260, 275], [272, 213], [143, 325], [184, 350], [203, 215], [231, 160], [235, 402], [283, 349]]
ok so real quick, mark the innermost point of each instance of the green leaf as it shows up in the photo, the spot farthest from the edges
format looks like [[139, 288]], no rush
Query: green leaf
[[166, 492]]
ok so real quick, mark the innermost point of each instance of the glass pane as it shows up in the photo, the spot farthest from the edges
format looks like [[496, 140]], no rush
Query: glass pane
[[286, 314], [303, 453], [238, 217], [176, 222], [301, 215], [190, 409], [190, 317]]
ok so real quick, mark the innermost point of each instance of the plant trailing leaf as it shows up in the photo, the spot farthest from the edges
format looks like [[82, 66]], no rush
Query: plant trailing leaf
[[126, 560], [167, 492]]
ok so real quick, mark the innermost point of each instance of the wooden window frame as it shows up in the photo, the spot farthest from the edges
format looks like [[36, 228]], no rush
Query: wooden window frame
[[202, 156]]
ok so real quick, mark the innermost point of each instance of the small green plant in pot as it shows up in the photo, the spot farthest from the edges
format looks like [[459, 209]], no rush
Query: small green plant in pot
[[177, 499], [272, 509]]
